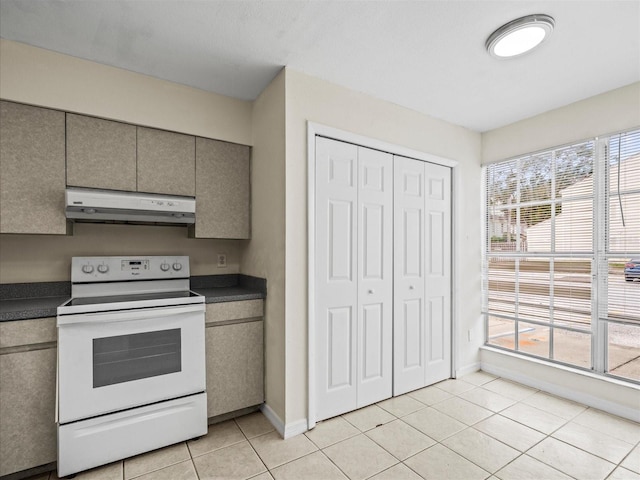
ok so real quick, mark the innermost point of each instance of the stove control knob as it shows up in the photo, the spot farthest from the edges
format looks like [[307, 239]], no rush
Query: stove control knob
[[165, 267], [177, 267], [103, 268], [87, 268]]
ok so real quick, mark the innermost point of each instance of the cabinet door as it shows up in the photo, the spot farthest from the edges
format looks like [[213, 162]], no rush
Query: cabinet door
[[166, 162], [27, 406], [235, 377], [222, 189], [100, 153], [32, 172]]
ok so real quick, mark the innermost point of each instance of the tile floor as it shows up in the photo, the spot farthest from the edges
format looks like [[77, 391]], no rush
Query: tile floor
[[476, 427]]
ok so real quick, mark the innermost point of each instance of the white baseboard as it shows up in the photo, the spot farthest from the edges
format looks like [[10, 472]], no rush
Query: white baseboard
[[466, 370], [295, 428], [273, 417], [607, 394], [285, 430]]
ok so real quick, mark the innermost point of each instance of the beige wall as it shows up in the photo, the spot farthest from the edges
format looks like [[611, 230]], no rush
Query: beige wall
[[47, 258], [264, 255], [311, 99], [41, 77], [609, 112]]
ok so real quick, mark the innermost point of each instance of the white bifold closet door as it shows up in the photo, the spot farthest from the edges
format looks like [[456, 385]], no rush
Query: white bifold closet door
[[422, 274], [354, 276]]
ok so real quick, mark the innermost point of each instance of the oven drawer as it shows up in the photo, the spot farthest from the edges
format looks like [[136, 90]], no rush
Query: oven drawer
[[107, 364], [86, 444]]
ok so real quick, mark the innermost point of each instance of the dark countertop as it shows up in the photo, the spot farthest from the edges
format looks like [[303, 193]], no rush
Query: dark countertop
[[22, 301], [228, 294], [30, 308], [229, 288], [26, 301]]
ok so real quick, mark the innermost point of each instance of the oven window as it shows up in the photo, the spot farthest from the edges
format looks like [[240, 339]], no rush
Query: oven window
[[126, 358]]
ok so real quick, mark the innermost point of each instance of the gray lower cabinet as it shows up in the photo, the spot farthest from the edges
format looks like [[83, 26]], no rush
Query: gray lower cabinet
[[235, 361], [100, 153], [223, 187], [166, 162], [27, 395], [32, 170], [234, 367]]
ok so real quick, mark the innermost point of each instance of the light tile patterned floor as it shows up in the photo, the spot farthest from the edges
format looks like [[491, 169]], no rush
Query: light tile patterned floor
[[477, 427]]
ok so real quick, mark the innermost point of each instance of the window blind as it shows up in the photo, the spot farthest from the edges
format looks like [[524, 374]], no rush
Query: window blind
[[562, 234], [621, 197]]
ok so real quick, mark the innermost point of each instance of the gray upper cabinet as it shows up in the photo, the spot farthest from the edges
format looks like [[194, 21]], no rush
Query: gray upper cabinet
[[100, 153], [166, 162], [32, 170], [112, 155], [222, 189]]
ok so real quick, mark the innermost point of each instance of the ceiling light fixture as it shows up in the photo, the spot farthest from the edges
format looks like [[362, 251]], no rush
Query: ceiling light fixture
[[520, 36]]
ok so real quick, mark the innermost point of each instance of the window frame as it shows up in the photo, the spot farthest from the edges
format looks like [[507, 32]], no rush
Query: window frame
[[599, 256]]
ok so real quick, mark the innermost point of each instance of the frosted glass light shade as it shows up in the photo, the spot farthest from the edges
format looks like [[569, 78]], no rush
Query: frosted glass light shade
[[519, 36]]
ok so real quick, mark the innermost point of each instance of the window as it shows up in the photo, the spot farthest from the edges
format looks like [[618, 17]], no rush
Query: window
[[125, 358], [562, 233]]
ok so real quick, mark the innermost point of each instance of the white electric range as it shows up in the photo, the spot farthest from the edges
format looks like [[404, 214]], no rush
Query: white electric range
[[131, 360]]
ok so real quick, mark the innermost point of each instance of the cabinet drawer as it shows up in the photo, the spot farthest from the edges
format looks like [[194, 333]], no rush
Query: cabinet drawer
[[227, 311], [28, 332]]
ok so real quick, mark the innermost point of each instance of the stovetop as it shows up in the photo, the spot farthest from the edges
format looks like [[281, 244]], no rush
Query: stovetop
[[129, 298], [115, 303]]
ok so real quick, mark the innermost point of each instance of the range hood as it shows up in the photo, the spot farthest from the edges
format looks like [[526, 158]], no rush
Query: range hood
[[107, 206]]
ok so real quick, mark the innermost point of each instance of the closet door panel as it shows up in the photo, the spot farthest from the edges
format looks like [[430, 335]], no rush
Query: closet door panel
[[372, 340], [375, 275], [336, 264], [409, 306], [410, 346], [438, 272], [340, 352]]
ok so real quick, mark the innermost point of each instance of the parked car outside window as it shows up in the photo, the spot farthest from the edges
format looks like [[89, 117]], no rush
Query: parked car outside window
[[632, 270]]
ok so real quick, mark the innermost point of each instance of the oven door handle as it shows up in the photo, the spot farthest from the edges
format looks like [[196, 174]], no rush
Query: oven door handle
[[127, 316]]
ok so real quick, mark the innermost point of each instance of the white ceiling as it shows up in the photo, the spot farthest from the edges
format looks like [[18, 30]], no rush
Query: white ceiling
[[425, 55]]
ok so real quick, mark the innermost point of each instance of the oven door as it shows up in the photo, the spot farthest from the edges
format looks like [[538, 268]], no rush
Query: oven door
[[112, 361]]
